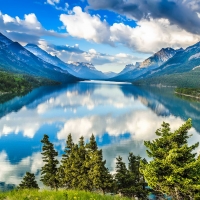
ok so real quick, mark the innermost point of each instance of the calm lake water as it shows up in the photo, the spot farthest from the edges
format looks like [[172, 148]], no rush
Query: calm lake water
[[121, 116]]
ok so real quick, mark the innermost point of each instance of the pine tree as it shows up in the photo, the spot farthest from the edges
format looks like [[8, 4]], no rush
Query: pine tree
[[49, 170], [121, 176], [136, 180], [174, 169], [65, 162], [28, 182], [99, 175], [84, 182], [92, 145]]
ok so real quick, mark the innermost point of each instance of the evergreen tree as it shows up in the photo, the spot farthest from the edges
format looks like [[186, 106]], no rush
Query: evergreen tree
[[82, 172], [121, 176], [136, 180], [92, 145], [28, 182], [49, 170], [174, 169], [65, 162], [99, 175]]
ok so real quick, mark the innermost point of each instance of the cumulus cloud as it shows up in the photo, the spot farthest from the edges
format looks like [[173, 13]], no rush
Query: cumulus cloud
[[75, 54], [12, 173], [180, 12], [152, 35], [141, 125], [24, 30], [82, 25], [149, 36]]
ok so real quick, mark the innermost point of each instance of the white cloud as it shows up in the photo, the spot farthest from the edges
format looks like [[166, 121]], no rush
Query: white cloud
[[7, 19], [53, 2], [152, 35], [81, 25], [24, 30], [101, 61], [149, 36], [12, 173]]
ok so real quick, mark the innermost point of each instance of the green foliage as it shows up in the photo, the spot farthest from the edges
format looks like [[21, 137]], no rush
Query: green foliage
[[187, 79], [194, 92], [174, 169], [19, 83], [130, 182], [121, 176], [49, 171], [28, 182], [56, 195], [82, 167]]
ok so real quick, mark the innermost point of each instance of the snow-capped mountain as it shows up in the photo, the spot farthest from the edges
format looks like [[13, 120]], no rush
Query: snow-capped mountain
[[158, 58], [78, 69], [130, 67], [131, 72], [15, 58], [110, 74], [183, 61], [87, 71], [54, 60]]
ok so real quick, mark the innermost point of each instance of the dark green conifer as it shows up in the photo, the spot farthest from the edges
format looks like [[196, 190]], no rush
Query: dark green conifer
[[49, 175], [136, 183], [92, 145], [28, 182], [65, 162], [98, 174], [121, 176]]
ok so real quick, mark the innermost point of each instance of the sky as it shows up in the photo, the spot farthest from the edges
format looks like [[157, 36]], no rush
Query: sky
[[108, 33]]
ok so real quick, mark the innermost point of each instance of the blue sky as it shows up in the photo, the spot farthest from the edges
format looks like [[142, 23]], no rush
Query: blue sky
[[109, 34]]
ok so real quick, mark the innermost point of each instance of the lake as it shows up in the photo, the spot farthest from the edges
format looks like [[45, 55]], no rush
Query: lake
[[120, 115]]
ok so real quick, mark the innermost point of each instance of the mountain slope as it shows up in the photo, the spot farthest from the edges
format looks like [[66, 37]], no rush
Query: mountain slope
[[54, 60], [183, 61], [132, 72], [78, 69], [87, 71], [110, 74], [15, 58]]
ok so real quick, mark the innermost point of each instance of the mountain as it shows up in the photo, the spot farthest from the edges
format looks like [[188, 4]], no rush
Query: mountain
[[15, 58], [131, 72], [87, 71], [78, 69], [129, 67], [110, 74], [54, 60], [183, 61]]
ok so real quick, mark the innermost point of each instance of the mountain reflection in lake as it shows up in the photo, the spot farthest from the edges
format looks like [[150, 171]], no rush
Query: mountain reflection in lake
[[121, 116]]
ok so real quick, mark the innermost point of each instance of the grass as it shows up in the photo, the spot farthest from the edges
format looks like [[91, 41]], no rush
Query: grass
[[56, 195]]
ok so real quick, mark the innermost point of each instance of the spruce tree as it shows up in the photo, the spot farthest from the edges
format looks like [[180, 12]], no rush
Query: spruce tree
[[174, 169], [82, 157], [136, 180], [99, 175], [65, 162], [121, 176], [49, 170], [28, 182], [92, 145]]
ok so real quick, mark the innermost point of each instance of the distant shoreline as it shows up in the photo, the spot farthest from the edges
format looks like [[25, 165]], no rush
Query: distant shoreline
[[187, 95]]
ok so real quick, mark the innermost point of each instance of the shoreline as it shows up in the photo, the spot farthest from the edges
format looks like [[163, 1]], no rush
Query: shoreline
[[187, 95]]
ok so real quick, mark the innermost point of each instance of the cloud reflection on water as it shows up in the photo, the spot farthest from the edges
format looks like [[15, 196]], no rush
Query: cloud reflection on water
[[86, 108]]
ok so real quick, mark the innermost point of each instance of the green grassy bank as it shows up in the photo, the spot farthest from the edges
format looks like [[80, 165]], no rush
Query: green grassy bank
[[55, 195]]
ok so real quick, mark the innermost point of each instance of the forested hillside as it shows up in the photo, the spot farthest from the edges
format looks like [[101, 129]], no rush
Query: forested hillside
[[19, 83]]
